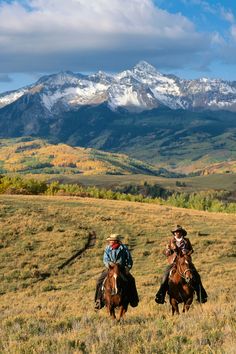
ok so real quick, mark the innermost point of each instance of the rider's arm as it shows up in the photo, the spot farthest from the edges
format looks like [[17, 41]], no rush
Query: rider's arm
[[106, 257], [188, 249], [170, 248], [167, 251], [128, 258]]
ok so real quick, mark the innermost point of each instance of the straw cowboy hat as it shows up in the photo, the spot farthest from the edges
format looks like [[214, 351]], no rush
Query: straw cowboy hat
[[179, 228], [114, 237]]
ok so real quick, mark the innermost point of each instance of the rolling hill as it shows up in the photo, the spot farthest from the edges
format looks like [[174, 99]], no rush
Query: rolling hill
[[26, 155], [48, 308]]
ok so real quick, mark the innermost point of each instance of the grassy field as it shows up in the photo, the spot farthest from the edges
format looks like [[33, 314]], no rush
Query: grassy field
[[47, 308], [192, 184]]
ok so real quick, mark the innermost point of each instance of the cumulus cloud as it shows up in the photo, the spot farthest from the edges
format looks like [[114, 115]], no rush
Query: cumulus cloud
[[44, 35]]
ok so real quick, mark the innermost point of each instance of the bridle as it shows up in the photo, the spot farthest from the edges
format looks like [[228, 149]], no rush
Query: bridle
[[183, 273]]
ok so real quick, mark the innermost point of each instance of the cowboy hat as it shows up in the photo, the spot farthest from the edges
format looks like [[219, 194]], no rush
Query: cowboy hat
[[179, 228], [114, 237]]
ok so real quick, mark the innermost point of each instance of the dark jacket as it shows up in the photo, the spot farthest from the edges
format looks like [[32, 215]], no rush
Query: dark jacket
[[174, 246]]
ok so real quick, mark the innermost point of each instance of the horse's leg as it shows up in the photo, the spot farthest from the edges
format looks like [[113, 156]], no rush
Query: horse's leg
[[112, 312], [172, 306], [188, 303], [121, 312], [175, 307], [173, 310], [109, 309]]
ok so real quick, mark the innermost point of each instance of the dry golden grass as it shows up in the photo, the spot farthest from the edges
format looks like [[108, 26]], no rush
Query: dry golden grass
[[55, 314]]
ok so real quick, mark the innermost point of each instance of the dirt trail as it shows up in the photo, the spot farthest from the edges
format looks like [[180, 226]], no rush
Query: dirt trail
[[89, 244]]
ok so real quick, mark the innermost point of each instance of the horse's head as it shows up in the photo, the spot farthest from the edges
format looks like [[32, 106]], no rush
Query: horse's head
[[184, 267], [113, 276], [115, 290]]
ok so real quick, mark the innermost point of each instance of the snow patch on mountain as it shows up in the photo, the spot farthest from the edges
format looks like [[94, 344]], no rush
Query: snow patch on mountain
[[85, 92], [8, 98], [61, 79], [121, 96], [139, 88]]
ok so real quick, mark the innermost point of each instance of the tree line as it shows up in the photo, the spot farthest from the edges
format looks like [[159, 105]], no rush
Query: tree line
[[145, 193]]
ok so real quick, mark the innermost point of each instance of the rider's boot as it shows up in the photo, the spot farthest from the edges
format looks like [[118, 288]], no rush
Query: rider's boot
[[197, 284], [160, 295], [134, 299], [99, 301], [98, 304], [201, 294]]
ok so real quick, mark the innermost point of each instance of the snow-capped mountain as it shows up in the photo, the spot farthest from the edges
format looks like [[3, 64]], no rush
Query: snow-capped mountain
[[138, 89], [9, 97]]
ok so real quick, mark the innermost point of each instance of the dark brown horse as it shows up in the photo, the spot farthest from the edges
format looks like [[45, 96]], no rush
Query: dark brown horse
[[180, 287], [116, 291]]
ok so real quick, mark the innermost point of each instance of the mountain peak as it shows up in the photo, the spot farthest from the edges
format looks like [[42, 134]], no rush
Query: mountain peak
[[60, 79], [145, 66], [141, 86]]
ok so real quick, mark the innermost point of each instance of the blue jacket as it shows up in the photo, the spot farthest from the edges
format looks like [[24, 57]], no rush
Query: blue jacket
[[120, 255]]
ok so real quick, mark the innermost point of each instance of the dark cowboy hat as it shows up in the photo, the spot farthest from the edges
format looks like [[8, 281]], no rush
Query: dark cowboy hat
[[114, 237], [179, 228]]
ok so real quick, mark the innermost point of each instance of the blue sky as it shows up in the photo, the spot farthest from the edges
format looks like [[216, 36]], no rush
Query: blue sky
[[189, 38]]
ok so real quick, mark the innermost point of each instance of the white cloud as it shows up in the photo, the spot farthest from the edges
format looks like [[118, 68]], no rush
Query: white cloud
[[217, 39], [227, 15], [52, 34], [233, 32]]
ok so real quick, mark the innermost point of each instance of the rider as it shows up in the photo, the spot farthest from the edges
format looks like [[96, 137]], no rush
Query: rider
[[180, 243], [116, 252]]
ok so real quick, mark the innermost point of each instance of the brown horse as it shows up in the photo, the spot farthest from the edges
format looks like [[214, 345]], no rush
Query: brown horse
[[180, 287], [116, 291]]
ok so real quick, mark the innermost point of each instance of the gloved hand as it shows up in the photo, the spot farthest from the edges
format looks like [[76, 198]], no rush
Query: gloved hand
[[173, 246], [168, 252]]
